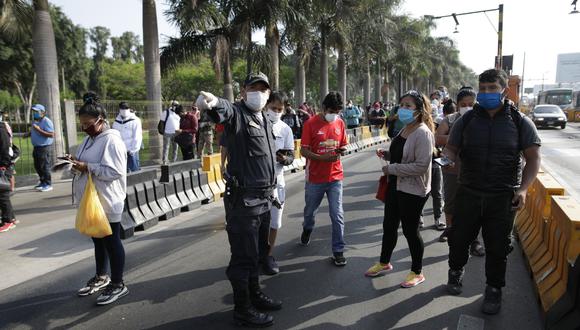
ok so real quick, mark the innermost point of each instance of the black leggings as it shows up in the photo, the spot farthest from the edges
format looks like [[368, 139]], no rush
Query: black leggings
[[404, 208], [110, 250]]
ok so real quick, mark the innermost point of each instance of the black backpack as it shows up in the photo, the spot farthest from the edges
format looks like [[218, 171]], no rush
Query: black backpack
[[161, 124]]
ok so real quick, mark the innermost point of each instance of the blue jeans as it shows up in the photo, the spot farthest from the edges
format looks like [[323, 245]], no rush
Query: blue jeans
[[313, 197], [133, 162]]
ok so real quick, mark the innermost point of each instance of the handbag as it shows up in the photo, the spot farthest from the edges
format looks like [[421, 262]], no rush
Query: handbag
[[5, 184], [383, 189]]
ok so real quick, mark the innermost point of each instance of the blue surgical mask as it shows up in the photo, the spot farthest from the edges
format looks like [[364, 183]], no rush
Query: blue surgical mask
[[489, 101], [36, 115], [406, 116]]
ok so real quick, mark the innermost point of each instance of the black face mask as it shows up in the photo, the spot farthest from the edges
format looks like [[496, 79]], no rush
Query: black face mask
[[92, 130]]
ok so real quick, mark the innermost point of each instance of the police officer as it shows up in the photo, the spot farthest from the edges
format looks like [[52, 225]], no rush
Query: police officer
[[251, 179]]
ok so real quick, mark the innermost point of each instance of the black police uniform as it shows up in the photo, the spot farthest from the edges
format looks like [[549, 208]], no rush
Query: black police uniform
[[250, 180]]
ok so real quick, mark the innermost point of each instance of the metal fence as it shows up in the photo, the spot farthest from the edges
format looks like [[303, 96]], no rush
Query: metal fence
[[25, 165]]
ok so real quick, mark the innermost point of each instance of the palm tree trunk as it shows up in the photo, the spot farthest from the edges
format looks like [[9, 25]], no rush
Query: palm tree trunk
[[378, 81], [367, 84], [342, 73], [273, 44], [300, 77], [249, 51], [323, 66], [228, 87], [46, 67], [152, 75]]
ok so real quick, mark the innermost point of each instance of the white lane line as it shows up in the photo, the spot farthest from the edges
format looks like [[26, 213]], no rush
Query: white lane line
[[467, 322]]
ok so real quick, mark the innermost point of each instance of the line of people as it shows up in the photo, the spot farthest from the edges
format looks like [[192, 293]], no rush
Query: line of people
[[485, 183], [484, 177]]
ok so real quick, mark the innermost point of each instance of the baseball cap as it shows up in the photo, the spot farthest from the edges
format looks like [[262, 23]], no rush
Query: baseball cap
[[253, 78], [38, 107]]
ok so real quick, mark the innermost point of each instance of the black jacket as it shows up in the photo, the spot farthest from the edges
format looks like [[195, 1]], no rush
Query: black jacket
[[251, 151], [5, 159]]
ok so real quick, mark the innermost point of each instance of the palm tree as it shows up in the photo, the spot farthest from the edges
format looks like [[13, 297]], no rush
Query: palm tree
[[152, 72], [46, 67]]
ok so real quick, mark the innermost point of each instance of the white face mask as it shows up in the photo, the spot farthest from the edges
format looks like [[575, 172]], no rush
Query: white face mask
[[331, 117], [273, 116], [256, 100], [124, 112], [463, 110]]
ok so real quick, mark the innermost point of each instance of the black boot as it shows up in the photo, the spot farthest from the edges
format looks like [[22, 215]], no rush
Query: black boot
[[260, 300], [244, 312], [492, 300], [454, 282]]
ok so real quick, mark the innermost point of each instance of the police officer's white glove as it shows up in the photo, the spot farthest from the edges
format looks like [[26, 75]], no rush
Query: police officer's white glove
[[206, 100]]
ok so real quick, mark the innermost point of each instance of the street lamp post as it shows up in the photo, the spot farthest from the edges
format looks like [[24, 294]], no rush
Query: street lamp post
[[499, 59]]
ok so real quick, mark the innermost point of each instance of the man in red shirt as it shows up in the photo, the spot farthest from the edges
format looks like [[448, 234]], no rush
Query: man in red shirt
[[323, 142], [187, 131]]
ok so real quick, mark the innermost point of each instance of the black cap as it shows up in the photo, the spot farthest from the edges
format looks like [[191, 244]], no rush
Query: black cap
[[123, 105], [253, 78]]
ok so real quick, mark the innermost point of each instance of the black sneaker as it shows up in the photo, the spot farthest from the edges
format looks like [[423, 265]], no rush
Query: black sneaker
[[491, 301], [305, 237], [476, 249], [445, 235], [95, 284], [252, 318], [270, 267], [112, 293], [454, 282], [338, 259]]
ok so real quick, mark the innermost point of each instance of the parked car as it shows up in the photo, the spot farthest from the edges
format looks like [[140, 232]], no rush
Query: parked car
[[548, 115]]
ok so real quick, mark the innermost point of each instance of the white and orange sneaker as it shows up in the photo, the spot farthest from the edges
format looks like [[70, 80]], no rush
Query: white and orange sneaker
[[413, 280], [378, 269]]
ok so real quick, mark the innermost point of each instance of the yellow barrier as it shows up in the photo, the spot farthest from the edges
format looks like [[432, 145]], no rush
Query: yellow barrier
[[549, 232], [553, 281], [208, 165], [217, 171], [534, 239]]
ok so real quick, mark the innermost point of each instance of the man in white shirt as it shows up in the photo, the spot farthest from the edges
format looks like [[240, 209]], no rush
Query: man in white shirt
[[129, 125], [171, 120]]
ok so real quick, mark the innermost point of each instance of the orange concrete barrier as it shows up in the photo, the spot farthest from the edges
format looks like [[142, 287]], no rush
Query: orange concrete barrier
[[208, 165]]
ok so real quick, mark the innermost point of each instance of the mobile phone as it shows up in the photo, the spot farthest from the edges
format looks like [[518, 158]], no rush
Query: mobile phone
[[64, 158], [443, 161]]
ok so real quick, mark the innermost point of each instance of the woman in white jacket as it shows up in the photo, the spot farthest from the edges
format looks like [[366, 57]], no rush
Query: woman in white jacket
[[103, 154]]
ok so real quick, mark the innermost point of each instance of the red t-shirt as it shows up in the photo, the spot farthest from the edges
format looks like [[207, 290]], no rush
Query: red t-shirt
[[322, 137]]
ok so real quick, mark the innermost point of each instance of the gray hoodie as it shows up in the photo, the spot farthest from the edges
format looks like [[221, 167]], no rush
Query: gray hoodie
[[106, 157]]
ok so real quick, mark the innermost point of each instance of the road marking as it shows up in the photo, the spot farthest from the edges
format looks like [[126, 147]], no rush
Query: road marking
[[467, 322]]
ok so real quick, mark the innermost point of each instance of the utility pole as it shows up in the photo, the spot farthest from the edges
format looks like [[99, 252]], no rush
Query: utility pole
[[523, 75], [499, 59]]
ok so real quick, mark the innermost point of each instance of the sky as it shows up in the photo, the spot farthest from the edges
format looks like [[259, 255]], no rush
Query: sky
[[540, 29]]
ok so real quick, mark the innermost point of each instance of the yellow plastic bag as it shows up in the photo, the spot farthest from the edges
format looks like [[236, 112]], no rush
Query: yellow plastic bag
[[91, 218]]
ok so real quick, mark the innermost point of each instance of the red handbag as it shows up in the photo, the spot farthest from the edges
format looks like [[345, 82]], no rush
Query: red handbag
[[383, 190]]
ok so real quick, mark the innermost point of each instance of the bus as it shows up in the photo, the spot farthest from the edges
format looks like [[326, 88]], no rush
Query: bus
[[561, 97]]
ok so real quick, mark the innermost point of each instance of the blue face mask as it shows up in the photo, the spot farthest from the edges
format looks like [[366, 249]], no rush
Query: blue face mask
[[36, 115], [406, 116], [489, 101]]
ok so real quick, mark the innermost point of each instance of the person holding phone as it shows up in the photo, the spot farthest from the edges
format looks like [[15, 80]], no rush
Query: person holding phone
[[103, 154], [409, 174], [323, 143], [284, 156]]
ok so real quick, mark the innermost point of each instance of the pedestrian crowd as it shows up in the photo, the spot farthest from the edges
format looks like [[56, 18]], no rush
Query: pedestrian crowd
[[475, 155]]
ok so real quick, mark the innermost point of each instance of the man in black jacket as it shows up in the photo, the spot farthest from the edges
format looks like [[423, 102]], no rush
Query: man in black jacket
[[490, 141], [251, 179]]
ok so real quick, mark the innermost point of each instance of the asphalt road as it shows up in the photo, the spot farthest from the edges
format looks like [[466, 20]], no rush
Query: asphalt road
[[176, 277], [561, 155]]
